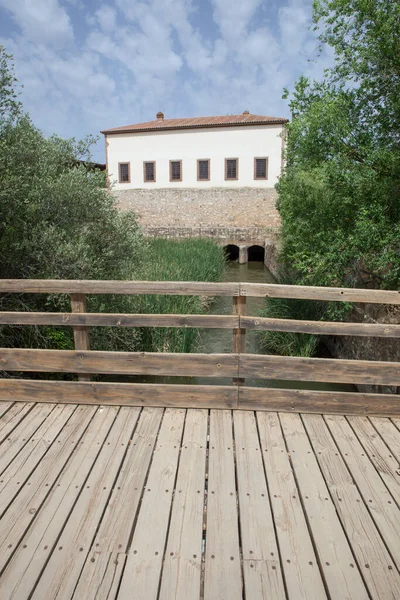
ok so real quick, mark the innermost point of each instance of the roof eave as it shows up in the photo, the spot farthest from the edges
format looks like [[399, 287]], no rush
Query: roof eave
[[201, 126]]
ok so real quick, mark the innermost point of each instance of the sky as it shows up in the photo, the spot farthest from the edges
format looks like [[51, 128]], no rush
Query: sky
[[87, 65]]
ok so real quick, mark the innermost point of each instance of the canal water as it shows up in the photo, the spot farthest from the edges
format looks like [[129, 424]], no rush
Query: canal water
[[219, 341]]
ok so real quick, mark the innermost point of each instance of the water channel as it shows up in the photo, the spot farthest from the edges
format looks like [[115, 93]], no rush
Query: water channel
[[219, 341]]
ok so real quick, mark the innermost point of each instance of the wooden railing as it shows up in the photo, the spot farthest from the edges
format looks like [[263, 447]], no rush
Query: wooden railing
[[236, 366]]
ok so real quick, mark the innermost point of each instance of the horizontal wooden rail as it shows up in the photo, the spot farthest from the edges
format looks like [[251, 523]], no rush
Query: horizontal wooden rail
[[316, 401], [200, 321], [270, 290], [198, 288], [319, 327], [76, 286], [119, 363], [236, 366], [119, 320], [328, 370], [202, 365], [120, 394], [204, 396]]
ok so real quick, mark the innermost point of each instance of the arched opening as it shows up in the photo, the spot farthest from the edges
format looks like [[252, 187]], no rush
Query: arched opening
[[256, 253], [232, 252]]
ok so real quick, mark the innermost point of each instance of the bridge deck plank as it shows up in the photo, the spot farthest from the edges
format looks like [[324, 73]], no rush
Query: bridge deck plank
[[118, 452]]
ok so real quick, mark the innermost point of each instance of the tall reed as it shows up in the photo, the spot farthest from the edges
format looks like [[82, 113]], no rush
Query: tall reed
[[177, 260], [285, 343]]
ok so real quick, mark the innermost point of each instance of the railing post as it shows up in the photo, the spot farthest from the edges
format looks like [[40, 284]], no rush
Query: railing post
[[81, 333], [239, 335]]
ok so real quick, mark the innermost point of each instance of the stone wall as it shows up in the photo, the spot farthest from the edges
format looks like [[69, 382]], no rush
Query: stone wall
[[223, 235], [271, 256], [185, 209]]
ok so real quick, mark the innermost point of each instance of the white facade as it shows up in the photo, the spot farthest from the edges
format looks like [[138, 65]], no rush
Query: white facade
[[244, 143]]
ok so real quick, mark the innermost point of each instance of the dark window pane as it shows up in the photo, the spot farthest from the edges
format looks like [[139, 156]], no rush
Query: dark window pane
[[149, 171], [203, 169], [231, 168], [176, 170], [261, 168], [124, 172]]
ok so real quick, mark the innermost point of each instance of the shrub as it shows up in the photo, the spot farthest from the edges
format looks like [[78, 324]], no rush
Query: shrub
[[58, 221]]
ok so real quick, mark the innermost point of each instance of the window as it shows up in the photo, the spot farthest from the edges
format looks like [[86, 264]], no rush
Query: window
[[149, 171], [175, 170], [231, 168], [261, 168], [203, 169], [124, 172]]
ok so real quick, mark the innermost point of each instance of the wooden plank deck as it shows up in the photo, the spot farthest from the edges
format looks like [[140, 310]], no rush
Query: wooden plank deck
[[108, 502]]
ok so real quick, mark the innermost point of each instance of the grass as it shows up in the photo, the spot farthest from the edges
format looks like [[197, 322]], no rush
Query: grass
[[177, 260], [165, 260], [290, 344]]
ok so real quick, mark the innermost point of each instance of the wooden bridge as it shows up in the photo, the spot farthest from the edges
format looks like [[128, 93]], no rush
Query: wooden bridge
[[163, 491]]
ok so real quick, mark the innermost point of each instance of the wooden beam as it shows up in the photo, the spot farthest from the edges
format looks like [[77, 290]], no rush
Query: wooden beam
[[81, 334], [271, 290], [341, 577], [222, 572], [314, 401], [239, 334], [80, 286], [181, 574], [119, 320], [199, 396], [201, 321], [330, 370], [299, 563], [197, 288], [320, 327], [262, 569], [118, 394], [134, 363]]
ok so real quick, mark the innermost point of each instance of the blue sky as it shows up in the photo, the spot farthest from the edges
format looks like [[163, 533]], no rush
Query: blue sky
[[87, 65]]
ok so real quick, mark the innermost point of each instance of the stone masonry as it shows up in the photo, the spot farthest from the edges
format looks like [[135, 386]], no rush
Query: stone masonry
[[243, 216], [201, 209]]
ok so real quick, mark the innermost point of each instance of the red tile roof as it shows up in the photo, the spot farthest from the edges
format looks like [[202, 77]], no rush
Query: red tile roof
[[198, 122]]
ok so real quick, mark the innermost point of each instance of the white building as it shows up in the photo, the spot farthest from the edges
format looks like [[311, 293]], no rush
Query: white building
[[233, 151]]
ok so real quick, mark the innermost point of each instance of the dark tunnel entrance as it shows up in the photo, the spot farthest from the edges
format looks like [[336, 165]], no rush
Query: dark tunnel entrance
[[232, 252], [256, 253]]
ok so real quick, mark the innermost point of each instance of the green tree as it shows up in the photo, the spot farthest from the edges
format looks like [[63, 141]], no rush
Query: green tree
[[57, 220], [339, 196], [10, 106]]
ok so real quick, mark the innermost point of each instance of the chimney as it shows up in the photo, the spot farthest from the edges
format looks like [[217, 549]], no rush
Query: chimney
[[160, 116], [246, 112]]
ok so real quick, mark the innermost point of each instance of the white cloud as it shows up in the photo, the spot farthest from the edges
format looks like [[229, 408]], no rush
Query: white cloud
[[106, 16], [131, 58], [76, 3], [293, 22], [234, 16], [260, 48], [41, 21]]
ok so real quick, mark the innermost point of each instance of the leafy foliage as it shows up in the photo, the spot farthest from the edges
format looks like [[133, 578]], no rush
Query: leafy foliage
[[339, 197], [58, 221], [10, 106]]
